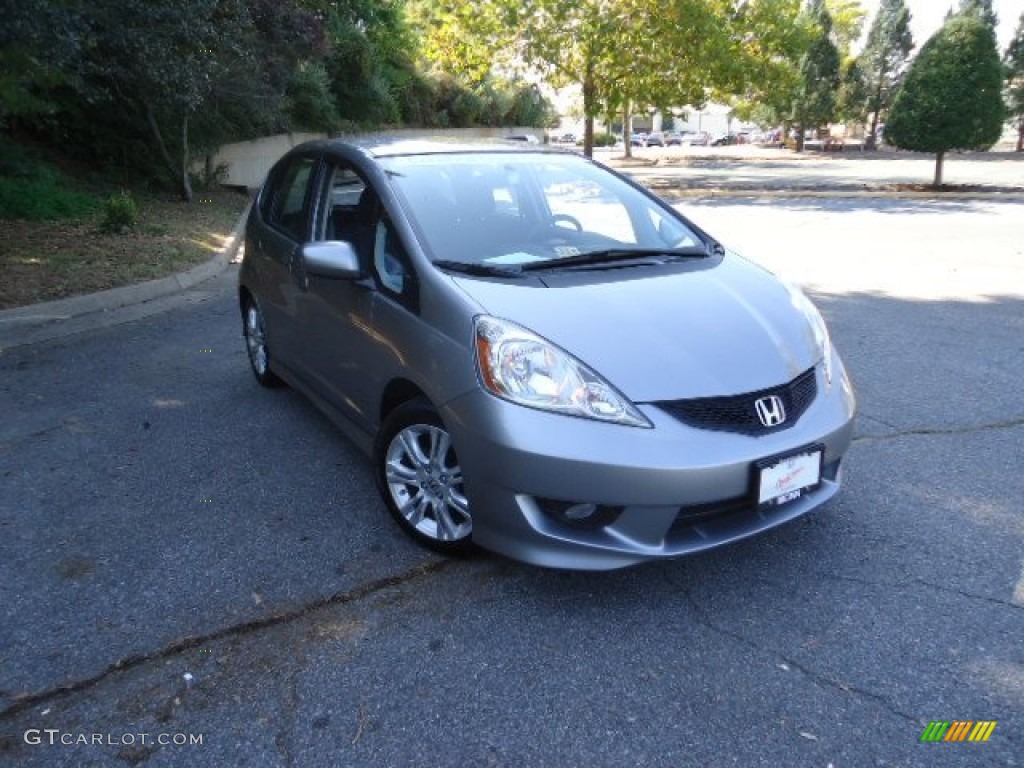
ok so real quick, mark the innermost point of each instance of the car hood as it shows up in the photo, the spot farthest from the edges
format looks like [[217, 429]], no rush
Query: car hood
[[700, 331]]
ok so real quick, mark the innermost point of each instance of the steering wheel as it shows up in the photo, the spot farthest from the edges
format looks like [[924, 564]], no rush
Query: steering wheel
[[554, 228], [566, 218]]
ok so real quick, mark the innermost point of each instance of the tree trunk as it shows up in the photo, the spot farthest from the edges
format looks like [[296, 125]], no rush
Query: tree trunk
[[181, 180], [939, 156], [799, 138], [588, 112], [1020, 137], [870, 141], [186, 182], [627, 129]]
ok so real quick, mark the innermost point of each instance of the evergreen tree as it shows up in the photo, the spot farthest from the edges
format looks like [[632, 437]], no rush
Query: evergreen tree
[[853, 96], [815, 101], [884, 60], [951, 97], [1014, 62], [981, 9]]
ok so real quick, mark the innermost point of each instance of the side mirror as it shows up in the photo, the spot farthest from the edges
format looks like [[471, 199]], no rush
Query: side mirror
[[333, 258]]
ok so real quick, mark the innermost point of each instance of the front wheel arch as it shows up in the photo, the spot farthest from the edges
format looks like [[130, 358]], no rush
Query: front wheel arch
[[420, 479]]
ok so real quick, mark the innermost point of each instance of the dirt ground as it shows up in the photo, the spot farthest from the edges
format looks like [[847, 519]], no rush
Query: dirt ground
[[40, 260]]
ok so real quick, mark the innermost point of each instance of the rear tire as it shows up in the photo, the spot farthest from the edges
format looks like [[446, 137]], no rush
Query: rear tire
[[420, 478], [254, 328]]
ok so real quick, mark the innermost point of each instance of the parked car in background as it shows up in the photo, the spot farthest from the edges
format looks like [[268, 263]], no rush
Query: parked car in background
[[656, 139], [724, 139], [527, 138], [638, 139], [538, 355], [673, 139], [698, 139]]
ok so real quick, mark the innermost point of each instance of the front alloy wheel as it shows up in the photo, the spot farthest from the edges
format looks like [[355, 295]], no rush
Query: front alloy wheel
[[421, 479]]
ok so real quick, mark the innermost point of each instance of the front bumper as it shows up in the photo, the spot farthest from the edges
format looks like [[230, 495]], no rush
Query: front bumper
[[667, 491]]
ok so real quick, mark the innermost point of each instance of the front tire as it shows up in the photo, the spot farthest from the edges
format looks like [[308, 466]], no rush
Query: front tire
[[420, 478]]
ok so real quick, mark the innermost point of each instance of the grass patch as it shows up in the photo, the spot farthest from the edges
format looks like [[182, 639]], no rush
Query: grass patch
[[46, 195], [33, 189], [40, 261]]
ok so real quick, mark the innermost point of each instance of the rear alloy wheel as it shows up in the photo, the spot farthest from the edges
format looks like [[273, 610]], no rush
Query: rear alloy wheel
[[421, 480], [255, 331]]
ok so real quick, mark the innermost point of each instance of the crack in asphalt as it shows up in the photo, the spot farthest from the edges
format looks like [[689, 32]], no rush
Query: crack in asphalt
[[883, 422], [177, 647], [937, 431], [15, 440], [929, 584], [820, 679]]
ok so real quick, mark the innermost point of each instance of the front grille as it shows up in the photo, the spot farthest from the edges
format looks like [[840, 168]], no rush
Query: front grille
[[737, 413]]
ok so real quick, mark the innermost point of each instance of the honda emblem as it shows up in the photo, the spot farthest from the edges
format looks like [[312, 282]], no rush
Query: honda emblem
[[770, 410]]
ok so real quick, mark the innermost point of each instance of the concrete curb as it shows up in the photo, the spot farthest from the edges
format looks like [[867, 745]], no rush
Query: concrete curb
[[53, 319]]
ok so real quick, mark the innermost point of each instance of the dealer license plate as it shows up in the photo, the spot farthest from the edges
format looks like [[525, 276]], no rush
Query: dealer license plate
[[787, 478]]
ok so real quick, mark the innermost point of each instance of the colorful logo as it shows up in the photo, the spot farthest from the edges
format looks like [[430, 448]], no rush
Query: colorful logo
[[958, 730]]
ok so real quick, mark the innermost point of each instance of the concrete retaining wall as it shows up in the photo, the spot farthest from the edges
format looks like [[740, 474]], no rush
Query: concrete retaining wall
[[248, 161]]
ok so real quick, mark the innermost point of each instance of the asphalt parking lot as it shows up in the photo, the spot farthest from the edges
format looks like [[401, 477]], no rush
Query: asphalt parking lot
[[184, 554]]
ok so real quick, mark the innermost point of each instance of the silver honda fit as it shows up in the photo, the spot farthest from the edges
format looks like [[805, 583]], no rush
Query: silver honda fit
[[540, 357]]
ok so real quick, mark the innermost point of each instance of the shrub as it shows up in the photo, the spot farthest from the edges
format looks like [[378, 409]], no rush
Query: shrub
[[120, 213]]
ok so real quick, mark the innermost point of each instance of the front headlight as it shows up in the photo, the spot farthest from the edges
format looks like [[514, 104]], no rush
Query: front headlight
[[520, 366], [821, 338]]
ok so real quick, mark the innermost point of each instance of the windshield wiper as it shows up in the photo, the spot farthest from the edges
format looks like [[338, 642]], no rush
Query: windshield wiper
[[612, 255], [478, 269]]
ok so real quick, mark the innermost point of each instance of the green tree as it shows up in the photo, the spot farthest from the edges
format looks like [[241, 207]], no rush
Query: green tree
[[157, 63], [952, 95], [851, 102], [847, 23], [620, 54], [981, 9], [1014, 61], [146, 86], [884, 60], [371, 62], [275, 85], [769, 96], [815, 101], [310, 102], [40, 43]]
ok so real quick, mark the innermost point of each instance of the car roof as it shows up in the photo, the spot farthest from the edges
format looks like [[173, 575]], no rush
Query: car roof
[[394, 146]]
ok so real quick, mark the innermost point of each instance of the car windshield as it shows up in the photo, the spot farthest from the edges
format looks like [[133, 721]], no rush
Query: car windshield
[[513, 209]]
